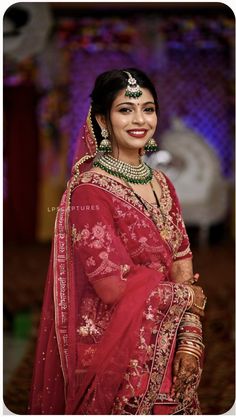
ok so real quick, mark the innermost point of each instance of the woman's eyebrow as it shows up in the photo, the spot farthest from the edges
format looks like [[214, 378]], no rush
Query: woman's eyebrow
[[134, 104]]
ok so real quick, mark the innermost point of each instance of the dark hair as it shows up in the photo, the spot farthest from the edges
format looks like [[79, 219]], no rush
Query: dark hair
[[106, 88]]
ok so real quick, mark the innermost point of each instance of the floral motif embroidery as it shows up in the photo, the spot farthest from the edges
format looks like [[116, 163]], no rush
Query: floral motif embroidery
[[94, 319], [89, 328], [145, 373], [87, 357], [168, 221], [100, 238], [97, 237], [149, 315]]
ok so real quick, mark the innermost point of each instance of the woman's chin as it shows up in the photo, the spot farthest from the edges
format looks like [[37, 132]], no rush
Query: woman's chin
[[136, 146]]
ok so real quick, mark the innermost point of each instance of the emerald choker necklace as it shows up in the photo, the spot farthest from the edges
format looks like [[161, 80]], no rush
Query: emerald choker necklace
[[141, 174]]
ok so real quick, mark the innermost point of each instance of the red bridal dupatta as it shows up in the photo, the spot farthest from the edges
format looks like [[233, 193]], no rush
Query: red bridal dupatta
[[111, 313]]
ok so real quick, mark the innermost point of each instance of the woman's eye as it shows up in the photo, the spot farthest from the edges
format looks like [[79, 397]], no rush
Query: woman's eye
[[149, 109], [124, 110]]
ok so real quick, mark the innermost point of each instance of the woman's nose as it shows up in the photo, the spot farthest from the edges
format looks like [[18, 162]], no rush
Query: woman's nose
[[138, 117]]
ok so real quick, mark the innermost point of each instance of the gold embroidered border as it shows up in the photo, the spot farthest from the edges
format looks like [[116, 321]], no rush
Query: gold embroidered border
[[176, 311], [183, 253]]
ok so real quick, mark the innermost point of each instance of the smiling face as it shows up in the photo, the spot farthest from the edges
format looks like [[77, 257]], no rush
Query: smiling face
[[133, 120], [132, 123]]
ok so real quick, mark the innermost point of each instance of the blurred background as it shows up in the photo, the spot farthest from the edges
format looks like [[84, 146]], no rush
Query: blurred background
[[52, 55]]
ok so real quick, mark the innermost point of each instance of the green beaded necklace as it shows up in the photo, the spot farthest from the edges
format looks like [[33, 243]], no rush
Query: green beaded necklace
[[141, 174]]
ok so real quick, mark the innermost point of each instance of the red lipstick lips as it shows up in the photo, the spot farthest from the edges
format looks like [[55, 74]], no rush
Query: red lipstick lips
[[137, 133]]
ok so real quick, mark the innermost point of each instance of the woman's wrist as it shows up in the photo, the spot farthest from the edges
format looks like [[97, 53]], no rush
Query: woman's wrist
[[189, 339], [197, 300]]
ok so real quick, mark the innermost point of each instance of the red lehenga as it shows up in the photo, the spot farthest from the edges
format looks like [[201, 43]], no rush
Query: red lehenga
[[111, 312]]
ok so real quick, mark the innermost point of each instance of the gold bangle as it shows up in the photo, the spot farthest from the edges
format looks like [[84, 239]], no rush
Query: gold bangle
[[190, 324], [189, 317], [189, 353], [187, 322], [189, 336], [194, 344], [190, 344], [196, 351], [192, 315]]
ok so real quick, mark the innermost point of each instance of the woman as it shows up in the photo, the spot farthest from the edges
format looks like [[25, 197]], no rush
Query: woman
[[120, 330]]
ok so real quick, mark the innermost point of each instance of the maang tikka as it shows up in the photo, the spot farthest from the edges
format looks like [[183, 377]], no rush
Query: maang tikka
[[133, 89], [105, 145]]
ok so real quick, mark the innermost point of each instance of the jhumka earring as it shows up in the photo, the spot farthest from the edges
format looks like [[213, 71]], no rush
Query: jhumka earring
[[151, 146], [105, 145]]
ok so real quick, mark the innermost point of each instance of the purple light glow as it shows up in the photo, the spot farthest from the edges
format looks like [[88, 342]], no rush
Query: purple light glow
[[192, 81]]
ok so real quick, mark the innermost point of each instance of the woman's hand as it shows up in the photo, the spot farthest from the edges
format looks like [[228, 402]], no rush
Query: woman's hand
[[199, 301], [185, 369], [199, 296]]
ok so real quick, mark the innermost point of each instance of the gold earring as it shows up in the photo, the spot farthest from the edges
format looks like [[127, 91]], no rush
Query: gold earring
[[151, 145], [105, 145]]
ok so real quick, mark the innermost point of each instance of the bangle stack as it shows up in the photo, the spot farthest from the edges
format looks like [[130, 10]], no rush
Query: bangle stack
[[190, 336]]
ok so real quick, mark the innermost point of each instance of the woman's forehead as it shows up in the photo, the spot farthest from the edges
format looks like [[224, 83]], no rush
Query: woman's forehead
[[144, 98]]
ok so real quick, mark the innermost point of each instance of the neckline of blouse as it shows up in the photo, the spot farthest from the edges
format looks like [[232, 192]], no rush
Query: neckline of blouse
[[113, 178]]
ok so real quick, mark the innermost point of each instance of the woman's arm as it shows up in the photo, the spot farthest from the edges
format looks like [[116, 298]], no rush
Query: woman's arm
[[185, 365], [182, 270]]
